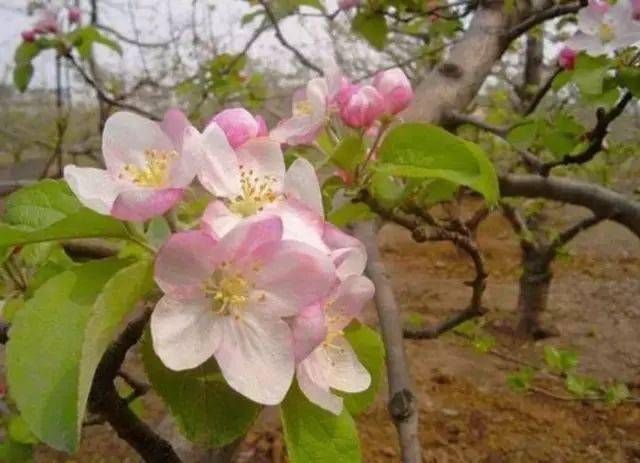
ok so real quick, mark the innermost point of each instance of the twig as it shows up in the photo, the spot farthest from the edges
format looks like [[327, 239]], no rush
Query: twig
[[105, 401], [403, 405], [274, 21], [542, 91], [542, 16]]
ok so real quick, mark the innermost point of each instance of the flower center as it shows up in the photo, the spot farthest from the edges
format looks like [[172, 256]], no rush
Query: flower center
[[257, 192], [607, 34], [303, 108], [154, 174], [229, 292]]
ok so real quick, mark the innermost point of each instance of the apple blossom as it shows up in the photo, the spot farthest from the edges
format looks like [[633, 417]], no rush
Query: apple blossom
[[395, 88], [74, 14], [239, 125], [363, 108], [635, 6], [252, 181], [28, 36], [146, 172], [326, 359], [602, 28], [309, 108], [228, 298], [348, 4], [47, 21], [567, 58]]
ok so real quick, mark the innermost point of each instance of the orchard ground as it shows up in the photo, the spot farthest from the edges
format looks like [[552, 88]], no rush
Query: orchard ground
[[467, 411]]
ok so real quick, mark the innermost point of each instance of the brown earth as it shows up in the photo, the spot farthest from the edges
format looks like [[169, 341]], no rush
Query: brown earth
[[467, 412]]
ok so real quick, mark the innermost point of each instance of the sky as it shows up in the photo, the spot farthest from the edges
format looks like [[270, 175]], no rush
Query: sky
[[217, 25]]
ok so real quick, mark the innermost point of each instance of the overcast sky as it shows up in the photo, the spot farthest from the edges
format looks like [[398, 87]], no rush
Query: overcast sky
[[217, 24]]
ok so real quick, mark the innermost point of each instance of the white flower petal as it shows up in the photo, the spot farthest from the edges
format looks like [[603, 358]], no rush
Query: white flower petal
[[262, 157], [344, 370], [184, 333], [301, 182], [256, 356], [95, 188], [313, 383], [219, 172]]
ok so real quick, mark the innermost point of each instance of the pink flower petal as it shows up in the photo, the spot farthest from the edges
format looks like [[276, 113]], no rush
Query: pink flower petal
[[301, 182], [299, 223], [348, 300], [348, 253], [141, 204], [218, 219], [238, 124], [184, 262], [252, 234], [293, 275], [255, 356], [95, 188], [309, 330], [184, 333]]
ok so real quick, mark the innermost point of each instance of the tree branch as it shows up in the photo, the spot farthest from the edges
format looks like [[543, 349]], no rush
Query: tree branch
[[542, 16], [105, 401], [303, 59], [403, 405], [599, 200], [570, 233]]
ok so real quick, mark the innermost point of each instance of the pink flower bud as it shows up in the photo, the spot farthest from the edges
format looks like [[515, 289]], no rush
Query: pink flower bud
[[28, 36], [363, 108], [635, 6], [567, 58], [395, 88], [46, 25], [347, 89], [239, 125], [599, 6], [348, 4], [74, 15], [263, 130]]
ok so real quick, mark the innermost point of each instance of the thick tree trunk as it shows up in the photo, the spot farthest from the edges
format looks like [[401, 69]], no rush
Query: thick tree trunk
[[534, 293]]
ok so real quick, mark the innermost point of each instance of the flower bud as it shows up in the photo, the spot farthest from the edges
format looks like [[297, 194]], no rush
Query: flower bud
[[363, 108], [28, 36], [635, 7], [567, 58], [348, 4], [74, 15], [347, 89], [395, 88], [239, 125], [599, 6]]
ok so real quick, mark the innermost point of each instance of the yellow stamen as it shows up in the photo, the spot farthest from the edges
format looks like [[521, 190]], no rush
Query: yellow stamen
[[154, 174], [229, 292], [607, 34], [302, 108], [257, 192]]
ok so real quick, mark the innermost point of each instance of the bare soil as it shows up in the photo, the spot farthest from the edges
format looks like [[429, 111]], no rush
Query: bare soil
[[467, 412]]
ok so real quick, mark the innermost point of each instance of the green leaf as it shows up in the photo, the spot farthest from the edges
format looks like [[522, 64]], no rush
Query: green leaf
[[349, 153], [58, 337], [83, 39], [590, 72], [372, 26], [349, 213], [369, 348], [617, 393], [630, 78], [434, 191], [329, 189], [522, 380], [426, 151], [314, 435], [560, 360], [41, 204], [15, 452], [523, 135], [484, 343], [19, 431], [582, 386], [158, 231], [25, 52], [387, 191], [205, 408], [22, 75]]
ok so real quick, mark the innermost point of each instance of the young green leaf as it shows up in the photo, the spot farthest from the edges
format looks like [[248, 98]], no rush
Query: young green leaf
[[207, 411], [426, 151], [58, 337], [314, 435], [349, 153], [522, 380], [372, 26]]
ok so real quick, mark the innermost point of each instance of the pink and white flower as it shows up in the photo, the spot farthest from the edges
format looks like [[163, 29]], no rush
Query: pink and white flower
[[363, 108], [28, 36], [326, 359], [395, 88], [239, 125], [147, 169], [603, 29], [74, 14], [47, 21], [252, 181], [310, 111], [227, 298]]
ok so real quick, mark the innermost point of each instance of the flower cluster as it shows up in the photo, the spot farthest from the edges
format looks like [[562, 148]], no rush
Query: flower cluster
[[48, 22], [602, 29], [264, 285]]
